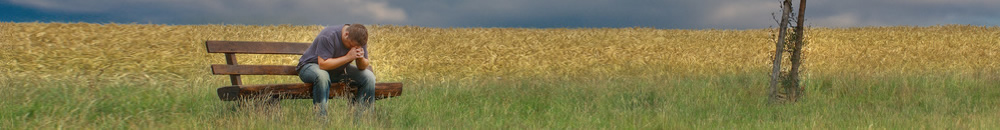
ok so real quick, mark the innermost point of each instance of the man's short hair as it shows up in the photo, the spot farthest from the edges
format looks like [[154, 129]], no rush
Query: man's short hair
[[358, 33]]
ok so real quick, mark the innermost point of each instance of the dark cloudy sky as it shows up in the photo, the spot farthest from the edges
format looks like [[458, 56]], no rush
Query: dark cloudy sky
[[670, 14]]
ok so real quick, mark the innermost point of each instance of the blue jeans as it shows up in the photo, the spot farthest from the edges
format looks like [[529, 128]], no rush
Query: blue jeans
[[363, 80]]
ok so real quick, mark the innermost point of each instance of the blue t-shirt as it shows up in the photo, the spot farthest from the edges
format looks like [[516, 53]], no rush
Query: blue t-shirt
[[327, 45]]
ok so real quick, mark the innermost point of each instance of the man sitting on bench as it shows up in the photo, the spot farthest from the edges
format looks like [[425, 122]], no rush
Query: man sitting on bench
[[328, 60]]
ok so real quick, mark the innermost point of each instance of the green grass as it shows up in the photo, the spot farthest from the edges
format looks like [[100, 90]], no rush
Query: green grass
[[734, 101], [132, 76]]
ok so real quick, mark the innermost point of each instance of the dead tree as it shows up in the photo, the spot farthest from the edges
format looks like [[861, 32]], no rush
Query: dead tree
[[791, 89], [780, 46], [795, 90]]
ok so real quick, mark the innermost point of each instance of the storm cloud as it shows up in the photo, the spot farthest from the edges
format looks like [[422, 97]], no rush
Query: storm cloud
[[674, 14]]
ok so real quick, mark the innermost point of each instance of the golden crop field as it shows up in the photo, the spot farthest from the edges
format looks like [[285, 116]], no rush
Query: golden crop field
[[130, 51], [136, 76]]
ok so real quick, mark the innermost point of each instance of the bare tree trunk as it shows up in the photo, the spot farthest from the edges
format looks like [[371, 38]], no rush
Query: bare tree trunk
[[782, 28], [795, 91]]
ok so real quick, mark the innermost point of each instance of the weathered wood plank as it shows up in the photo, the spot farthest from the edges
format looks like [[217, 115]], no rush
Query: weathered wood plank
[[246, 47], [220, 69], [301, 91], [231, 60]]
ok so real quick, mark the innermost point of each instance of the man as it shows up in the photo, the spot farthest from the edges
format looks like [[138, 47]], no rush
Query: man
[[328, 61]]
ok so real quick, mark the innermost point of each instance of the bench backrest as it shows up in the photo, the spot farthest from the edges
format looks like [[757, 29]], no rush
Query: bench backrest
[[234, 70]]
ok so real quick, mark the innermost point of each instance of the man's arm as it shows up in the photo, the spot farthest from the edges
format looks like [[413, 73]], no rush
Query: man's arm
[[332, 63], [361, 61]]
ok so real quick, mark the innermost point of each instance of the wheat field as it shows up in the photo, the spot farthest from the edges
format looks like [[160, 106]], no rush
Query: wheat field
[[83, 75]]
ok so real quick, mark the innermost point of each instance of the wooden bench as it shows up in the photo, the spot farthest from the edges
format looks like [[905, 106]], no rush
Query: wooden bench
[[275, 91]]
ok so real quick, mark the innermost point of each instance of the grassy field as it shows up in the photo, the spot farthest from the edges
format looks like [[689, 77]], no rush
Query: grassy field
[[100, 76]]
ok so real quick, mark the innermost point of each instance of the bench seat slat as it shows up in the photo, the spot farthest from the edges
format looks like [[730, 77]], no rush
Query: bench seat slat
[[223, 69], [301, 91], [246, 47]]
